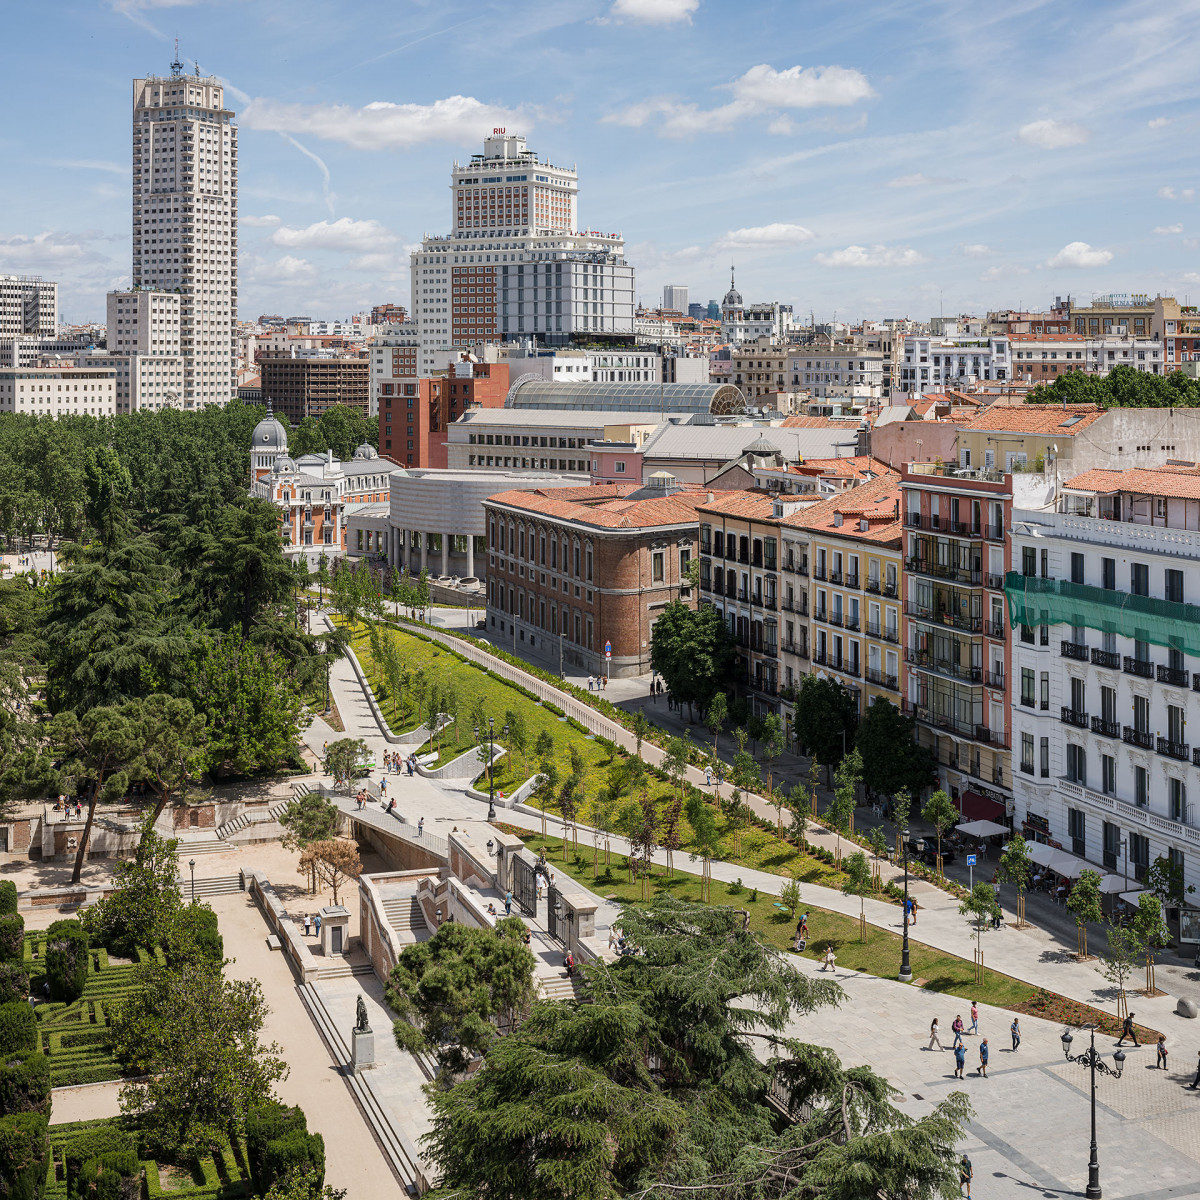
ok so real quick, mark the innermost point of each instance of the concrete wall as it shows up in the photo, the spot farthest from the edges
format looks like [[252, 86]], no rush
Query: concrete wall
[[896, 442], [398, 852]]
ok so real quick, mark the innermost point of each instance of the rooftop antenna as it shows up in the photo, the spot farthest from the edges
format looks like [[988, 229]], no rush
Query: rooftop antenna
[[176, 66]]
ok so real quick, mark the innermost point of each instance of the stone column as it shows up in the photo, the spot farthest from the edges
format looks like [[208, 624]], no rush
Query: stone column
[[470, 554], [445, 553], [424, 548]]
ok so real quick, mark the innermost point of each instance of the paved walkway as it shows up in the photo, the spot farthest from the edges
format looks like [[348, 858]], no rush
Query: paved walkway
[[87, 1102]]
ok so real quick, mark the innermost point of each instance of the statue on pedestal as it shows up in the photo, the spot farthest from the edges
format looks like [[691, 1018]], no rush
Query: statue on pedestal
[[361, 1023]]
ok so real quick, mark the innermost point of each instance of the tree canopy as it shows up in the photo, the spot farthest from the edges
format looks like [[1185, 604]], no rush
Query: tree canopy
[[892, 757], [693, 650], [1122, 387], [825, 718]]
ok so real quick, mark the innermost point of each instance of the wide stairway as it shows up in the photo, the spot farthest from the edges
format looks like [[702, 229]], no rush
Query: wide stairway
[[252, 816], [405, 916], [207, 841]]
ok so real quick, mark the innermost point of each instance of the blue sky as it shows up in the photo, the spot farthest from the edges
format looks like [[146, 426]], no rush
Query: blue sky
[[863, 159]]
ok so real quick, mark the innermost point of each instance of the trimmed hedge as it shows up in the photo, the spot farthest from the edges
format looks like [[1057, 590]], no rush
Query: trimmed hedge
[[195, 923], [24, 1156], [8, 897], [14, 982], [100, 1141], [66, 960], [12, 937], [278, 1143], [25, 1084], [18, 1028], [109, 1176]]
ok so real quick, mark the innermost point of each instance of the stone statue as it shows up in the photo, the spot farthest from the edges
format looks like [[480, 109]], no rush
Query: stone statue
[[361, 1023]]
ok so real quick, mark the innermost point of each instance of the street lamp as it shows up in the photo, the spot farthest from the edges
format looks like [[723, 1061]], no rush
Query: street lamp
[[1091, 1059], [192, 864], [905, 975], [491, 769]]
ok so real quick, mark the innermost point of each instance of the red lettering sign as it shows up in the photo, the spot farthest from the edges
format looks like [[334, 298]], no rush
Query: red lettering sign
[[498, 129]]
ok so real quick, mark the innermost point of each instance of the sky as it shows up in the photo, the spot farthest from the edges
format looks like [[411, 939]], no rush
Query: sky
[[880, 158]]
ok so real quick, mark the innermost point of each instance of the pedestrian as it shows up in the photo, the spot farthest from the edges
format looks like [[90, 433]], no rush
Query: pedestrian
[[957, 1030], [307, 925], [965, 1175], [912, 913], [708, 776], [830, 959], [1127, 1030], [591, 683], [1162, 1051], [974, 1017], [1196, 1082], [508, 903], [420, 826], [934, 1040], [604, 683], [317, 922], [1015, 1030], [569, 963], [983, 1058], [960, 1060], [383, 789]]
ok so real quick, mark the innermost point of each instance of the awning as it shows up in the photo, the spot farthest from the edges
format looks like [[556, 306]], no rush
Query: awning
[[1134, 897], [980, 807], [1110, 884], [1040, 853], [981, 828]]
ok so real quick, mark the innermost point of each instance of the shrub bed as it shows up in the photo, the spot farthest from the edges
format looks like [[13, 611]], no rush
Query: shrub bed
[[66, 960], [24, 1155]]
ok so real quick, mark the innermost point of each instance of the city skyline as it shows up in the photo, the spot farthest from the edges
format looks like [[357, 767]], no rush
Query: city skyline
[[910, 159]]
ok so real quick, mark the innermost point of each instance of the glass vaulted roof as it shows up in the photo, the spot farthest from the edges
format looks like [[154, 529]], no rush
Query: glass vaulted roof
[[672, 398]]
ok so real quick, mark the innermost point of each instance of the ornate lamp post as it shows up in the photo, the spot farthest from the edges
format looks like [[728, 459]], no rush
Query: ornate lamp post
[[1090, 1059], [905, 967], [192, 864], [491, 816]]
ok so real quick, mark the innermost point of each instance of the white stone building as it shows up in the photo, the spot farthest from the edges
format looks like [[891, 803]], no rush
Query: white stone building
[[58, 391], [144, 350], [934, 363], [515, 262], [1106, 670], [28, 306], [746, 323], [185, 197]]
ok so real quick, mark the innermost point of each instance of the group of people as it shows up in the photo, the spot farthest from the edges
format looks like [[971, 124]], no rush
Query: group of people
[[597, 683], [394, 763], [959, 1046], [62, 804]]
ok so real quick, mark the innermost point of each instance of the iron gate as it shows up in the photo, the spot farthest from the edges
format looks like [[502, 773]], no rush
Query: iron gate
[[525, 888], [552, 921]]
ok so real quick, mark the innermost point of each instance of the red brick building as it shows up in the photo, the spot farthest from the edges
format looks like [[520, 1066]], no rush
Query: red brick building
[[572, 569], [415, 413]]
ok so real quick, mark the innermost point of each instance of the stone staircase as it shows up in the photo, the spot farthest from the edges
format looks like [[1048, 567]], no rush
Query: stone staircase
[[559, 987], [217, 885], [397, 1148], [207, 842], [406, 917], [253, 816]]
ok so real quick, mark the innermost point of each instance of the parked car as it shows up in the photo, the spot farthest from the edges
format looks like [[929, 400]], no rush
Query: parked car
[[925, 850], [481, 624]]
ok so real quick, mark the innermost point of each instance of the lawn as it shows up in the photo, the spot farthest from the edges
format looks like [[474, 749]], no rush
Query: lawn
[[211, 1177], [75, 1036], [933, 970]]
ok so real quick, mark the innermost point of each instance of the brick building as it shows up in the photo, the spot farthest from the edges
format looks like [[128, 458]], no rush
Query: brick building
[[571, 569], [414, 414], [308, 387]]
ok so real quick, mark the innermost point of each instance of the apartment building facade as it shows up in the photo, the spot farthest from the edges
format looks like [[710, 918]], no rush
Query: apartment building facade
[[28, 307], [58, 391], [955, 631], [308, 386]]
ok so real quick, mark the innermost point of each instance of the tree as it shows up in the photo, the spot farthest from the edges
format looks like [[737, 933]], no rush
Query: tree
[[825, 717], [343, 760], [193, 1037], [172, 746], [858, 882], [307, 819], [644, 840], [891, 756], [693, 650], [518, 736], [798, 809], [716, 715], [878, 841], [391, 666], [98, 749], [789, 897], [841, 807], [145, 901], [705, 843], [322, 577], [640, 727], [1015, 868], [303, 1185], [980, 905], [1164, 879], [1084, 905], [675, 763], [1151, 932], [334, 861], [940, 812], [1124, 951]]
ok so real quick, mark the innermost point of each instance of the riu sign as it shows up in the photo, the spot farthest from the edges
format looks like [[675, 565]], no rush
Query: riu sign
[[498, 129]]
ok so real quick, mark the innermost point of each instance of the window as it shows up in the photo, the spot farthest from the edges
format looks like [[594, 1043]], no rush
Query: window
[[1108, 774], [1027, 753], [1139, 855], [1045, 691], [1027, 687], [1176, 799], [1076, 764], [1044, 758], [1108, 574], [1173, 585], [685, 557], [1141, 714], [1076, 567], [1141, 786], [1108, 705], [1028, 560], [1076, 827], [1175, 723], [1139, 579], [658, 566]]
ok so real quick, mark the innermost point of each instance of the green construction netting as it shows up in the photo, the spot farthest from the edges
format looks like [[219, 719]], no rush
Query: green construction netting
[[1034, 601]]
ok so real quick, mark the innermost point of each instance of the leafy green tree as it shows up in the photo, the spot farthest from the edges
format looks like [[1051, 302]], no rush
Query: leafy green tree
[[825, 718], [878, 841], [1016, 868], [1151, 932], [343, 759], [858, 881], [939, 811], [798, 828], [518, 736], [172, 748], [746, 770], [675, 762], [1118, 964], [1122, 387], [789, 897], [891, 756], [693, 651], [391, 665], [640, 727], [716, 715], [845, 788], [107, 484], [772, 738], [193, 1037], [333, 862], [980, 905], [307, 819], [1084, 905], [1164, 879]]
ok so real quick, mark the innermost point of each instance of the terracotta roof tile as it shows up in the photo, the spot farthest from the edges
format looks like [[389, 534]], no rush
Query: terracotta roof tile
[[877, 501], [1035, 418], [613, 512], [752, 503], [1179, 483], [806, 422]]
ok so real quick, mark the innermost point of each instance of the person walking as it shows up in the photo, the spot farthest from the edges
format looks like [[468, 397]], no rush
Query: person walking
[[974, 1017], [934, 1040], [508, 903], [1127, 1030], [420, 826], [830, 959], [1162, 1051], [957, 1030], [960, 1059], [912, 913], [1015, 1030], [983, 1058], [708, 776], [1196, 1082], [965, 1174]]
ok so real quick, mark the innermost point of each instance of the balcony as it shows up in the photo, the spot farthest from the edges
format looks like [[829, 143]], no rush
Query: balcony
[[1105, 728], [1110, 659], [889, 589], [820, 658], [1170, 749], [937, 616], [852, 624], [1137, 737], [881, 678], [820, 615], [1072, 716], [819, 573], [912, 520], [835, 577], [872, 586], [770, 603], [1075, 650], [1196, 757], [964, 575], [1139, 666], [851, 580], [943, 666], [836, 618], [995, 679], [994, 629], [1172, 675]]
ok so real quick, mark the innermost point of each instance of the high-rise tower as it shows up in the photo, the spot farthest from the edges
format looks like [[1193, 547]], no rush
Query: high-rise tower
[[185, 219]]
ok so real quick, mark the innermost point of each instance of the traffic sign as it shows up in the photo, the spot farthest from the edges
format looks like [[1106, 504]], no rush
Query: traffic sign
[[970, 860], [608, 649]]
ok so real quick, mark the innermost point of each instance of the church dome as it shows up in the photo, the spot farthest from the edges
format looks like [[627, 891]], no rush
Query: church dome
[[733, 298], [283, 464], [366, 450], [269, 436]]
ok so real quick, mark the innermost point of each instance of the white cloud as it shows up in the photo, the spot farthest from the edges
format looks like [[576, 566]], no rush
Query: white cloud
[[90, 164], [287, 269], [782, 126], [760, 90], [1080, 255], [776, 234], [1167, 229], [342, 234], [655, 12], [1001, 271], [920, 180], [43, 248], [802, 87], [1158, 122], [382, 125], [1053, 135], [267, 222], [1187, 195], [871, 256], [976, 250]]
